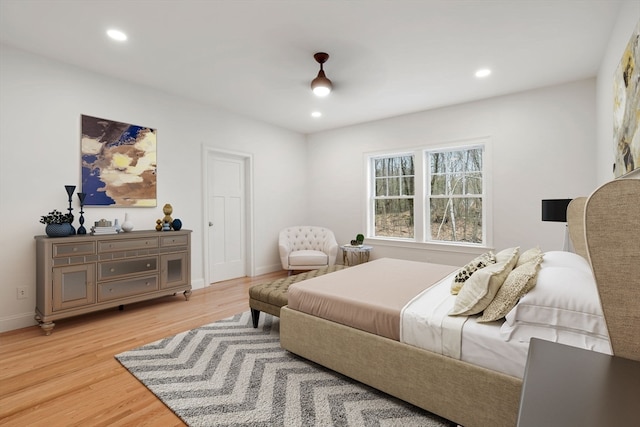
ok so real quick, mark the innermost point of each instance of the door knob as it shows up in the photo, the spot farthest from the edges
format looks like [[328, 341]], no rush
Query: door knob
[[210, 224]]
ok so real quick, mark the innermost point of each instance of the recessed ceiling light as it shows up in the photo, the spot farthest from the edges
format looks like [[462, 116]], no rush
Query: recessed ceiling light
[[316, 114], [117, 35], [483, 72]]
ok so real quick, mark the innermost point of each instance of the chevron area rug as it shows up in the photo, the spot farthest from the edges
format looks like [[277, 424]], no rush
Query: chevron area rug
[[229, 374]]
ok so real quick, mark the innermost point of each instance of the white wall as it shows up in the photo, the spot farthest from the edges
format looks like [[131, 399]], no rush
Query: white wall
[[542, 146], [628, 18], [40, 106]]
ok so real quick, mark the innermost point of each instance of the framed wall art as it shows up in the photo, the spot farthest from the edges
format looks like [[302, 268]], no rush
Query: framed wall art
[[118, 163], [626, 108]]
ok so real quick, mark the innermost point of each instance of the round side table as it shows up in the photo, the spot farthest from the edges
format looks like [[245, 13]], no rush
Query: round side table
[[355, 254]]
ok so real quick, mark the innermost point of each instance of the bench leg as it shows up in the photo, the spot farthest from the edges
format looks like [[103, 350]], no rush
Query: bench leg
[[255, 316]]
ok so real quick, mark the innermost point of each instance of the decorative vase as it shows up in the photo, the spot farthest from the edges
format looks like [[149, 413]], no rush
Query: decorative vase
[[176, 224], [127, 225], [58, 230], [167, 210]]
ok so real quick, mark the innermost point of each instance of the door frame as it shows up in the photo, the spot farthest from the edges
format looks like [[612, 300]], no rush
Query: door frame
[[248, 200]]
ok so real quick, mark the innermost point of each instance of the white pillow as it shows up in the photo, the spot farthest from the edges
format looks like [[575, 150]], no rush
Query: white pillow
[[564, 297], [565, 259]]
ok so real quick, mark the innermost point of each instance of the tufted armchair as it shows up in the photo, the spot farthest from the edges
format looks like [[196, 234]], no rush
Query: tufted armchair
[[306, 247]]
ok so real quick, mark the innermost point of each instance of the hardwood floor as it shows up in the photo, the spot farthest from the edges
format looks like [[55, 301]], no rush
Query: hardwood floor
[[71, 377]]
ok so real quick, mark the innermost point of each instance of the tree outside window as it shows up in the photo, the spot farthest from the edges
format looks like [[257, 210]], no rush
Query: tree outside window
[[452, 194], [455, 195], [394, 196]]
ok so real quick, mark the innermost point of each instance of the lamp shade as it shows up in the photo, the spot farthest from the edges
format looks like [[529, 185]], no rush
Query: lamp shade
[[555, 209]]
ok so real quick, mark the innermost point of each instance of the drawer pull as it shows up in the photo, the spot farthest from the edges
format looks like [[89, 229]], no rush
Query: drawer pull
[[148, 265], [112, 270], [75, 249]]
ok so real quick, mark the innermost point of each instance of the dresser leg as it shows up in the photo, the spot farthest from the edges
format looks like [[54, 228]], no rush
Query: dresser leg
[[47, 327], [187, 294]]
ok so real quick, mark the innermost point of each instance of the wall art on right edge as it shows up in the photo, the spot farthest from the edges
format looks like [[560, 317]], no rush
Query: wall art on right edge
[[626, 108]]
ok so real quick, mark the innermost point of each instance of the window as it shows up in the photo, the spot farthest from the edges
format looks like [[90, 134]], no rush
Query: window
[[437, 198], [394, 196], [455, 195]]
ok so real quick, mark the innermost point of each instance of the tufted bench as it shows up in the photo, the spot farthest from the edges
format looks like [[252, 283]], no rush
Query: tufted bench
[[270, 296]]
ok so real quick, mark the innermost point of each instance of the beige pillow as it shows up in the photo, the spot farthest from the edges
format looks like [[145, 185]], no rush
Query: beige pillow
[[529, 255], [465, 272], [507, 254], [520, 281], [478, 292]]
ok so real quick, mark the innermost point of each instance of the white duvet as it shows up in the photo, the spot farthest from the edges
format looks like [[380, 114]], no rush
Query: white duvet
[[425, 323], [563, 307]]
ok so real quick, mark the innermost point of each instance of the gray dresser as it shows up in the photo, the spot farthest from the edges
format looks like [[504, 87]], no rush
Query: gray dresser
[[81, 274]]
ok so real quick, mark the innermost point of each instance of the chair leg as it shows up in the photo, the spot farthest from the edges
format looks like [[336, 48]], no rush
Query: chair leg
[[255, 316]]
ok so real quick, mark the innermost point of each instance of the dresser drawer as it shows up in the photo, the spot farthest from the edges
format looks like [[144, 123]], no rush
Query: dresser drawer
[[73, 249], [127, 244], [114, 269], [174, 240], [126, 288]]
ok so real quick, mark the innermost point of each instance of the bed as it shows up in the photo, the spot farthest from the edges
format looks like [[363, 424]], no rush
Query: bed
[[469, 370]]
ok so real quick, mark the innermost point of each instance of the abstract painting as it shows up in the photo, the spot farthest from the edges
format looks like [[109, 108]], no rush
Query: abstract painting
[[626, 108], [118, 163]]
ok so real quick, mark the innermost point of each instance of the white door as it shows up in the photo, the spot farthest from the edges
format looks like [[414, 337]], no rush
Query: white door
[[226, 210]]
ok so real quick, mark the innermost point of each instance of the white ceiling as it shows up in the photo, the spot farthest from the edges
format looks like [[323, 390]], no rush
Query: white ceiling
[[255, 57]]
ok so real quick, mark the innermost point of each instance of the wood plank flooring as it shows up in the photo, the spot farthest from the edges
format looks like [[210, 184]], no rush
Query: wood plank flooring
[[71, 378]]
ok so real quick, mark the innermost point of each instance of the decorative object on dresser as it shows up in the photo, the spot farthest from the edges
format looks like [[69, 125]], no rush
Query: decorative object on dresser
[[58, 224], [82, 274], [81, 229], [176, 224], [127, 225], [167, 210], [70, 189], [103, 227]]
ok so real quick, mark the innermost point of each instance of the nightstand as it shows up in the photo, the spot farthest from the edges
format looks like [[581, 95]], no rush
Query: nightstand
[[568, 386]]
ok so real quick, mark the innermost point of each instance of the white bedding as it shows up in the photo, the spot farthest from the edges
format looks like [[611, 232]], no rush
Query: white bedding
[[563, 307], [425, 323]]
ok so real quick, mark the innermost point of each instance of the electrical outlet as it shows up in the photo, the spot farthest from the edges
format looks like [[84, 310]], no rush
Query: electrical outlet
[[22, 293]]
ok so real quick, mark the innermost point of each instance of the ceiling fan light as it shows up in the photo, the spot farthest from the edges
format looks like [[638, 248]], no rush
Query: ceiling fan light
[[321, 85]]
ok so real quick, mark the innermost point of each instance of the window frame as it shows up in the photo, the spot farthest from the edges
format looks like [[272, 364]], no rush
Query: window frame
[[421, 196]]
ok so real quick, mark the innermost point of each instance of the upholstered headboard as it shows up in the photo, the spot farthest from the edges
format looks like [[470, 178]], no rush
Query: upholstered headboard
[[612, 233], [575, 223]]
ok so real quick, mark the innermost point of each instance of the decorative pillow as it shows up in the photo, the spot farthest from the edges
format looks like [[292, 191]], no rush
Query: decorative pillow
[[508, 254], [478, 292], [529, 255], [465, 272], [520, 281]]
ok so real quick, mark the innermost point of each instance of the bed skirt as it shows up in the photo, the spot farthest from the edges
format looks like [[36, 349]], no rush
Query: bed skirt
[[458, 391]]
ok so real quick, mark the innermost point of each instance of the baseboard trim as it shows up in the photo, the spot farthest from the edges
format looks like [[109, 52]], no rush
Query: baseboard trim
[[17, 321]]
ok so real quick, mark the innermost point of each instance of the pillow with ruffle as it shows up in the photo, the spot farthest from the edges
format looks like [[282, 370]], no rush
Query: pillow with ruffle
[[529, 255], [520, 281], [478, 292], [474, 265]]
